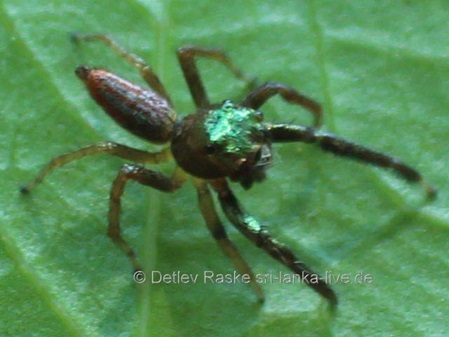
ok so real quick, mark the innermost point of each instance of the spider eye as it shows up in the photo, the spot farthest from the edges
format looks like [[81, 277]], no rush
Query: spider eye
[[210, 149]]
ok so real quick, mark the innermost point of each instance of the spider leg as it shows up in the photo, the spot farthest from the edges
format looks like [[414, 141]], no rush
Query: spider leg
[[187, 56], [144, 68], [219, 234], [260, 236], [111, 148], [264, 92], [145, 177], [341, 147]]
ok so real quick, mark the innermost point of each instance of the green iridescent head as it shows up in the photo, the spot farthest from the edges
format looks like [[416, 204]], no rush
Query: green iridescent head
[[233, 128], [227, 140]]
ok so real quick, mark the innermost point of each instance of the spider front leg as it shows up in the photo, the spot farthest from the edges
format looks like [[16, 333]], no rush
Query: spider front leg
[[145, 177], [144, 68], [187, 56], [219, 234], [260, 236], [341, 147], [114, 149], [260, 95]]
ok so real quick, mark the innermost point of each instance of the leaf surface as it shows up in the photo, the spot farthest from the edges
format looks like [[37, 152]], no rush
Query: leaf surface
[[381, 71]]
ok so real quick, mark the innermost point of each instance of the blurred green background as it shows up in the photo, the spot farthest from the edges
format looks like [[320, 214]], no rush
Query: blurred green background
[[381, 70]]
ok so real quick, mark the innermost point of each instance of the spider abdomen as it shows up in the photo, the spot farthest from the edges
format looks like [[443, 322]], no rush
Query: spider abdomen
[[142, 112]]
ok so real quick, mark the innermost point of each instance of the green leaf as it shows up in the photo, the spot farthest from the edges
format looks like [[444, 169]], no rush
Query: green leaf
[[381, 71]]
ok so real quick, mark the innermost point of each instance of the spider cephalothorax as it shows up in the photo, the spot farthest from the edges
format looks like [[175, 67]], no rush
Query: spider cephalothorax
[[218, 142], [223, 141]]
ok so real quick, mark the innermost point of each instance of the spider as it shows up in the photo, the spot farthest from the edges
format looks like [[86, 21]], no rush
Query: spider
[[219, 142]]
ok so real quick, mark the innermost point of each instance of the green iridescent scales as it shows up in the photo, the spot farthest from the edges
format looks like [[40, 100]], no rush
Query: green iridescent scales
[[231, 127]]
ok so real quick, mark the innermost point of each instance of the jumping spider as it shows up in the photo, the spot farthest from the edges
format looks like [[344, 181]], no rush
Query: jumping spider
[[217, 142]]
